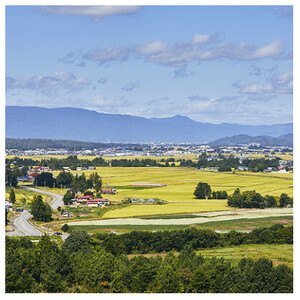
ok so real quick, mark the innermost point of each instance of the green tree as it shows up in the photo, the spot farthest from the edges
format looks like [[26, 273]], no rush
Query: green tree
[[284, 200], [40, 210], [77, 241], [96, 181], [167, 280], [64, 178], [45, 179], [200, 282], [68, 196], [12, 196], [202, 191], [65, 228]]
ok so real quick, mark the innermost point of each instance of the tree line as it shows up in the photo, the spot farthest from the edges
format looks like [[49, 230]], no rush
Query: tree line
[[246, 199], [252, 199], [227, 164], [29, 144], [75, 183], [165, 241], [82, 264]]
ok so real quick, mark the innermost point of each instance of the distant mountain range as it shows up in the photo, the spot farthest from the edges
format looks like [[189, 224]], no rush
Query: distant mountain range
[[283, 140], [77, 124]]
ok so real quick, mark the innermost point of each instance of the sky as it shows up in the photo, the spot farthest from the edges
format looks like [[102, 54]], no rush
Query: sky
[[213, 64]]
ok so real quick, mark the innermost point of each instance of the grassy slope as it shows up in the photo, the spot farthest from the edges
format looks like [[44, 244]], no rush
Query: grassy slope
[[277, 253]]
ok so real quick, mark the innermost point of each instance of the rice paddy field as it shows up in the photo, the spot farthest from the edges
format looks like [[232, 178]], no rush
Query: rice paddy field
[[181, 182], [23, 196], [180, 185]]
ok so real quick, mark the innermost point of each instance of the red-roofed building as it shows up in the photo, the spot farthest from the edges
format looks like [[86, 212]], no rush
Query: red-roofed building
[[109, 191], [38, 168], [34, 174], [91, 202]]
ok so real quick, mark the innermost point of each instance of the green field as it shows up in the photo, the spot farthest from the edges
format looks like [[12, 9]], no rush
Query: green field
[[279, 254]]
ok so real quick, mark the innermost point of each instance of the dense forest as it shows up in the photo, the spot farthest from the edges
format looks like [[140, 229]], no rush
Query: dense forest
[[99, 264]]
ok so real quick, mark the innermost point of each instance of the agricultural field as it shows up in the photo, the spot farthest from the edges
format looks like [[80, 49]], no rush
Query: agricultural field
[[170, 208], [245, 224], [24, 196], [279, 254], [181, 182]]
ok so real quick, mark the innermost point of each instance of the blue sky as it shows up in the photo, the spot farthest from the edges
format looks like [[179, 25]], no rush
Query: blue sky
[[211, 63]]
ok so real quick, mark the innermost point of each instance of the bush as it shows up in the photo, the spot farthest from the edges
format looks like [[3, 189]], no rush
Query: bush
[[65, 228]]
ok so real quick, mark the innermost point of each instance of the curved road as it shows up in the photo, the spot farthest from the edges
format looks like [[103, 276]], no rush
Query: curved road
[[57, 199], [22, 225]]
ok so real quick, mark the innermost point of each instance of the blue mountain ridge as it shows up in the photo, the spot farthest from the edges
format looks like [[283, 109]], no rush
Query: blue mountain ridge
[[78, 124]]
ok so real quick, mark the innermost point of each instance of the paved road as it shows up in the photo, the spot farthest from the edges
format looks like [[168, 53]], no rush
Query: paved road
[[23, 227], [21, 223], [57, 199]]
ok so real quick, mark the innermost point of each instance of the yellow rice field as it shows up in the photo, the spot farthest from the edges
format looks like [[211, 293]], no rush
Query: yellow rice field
[[170, 208], [181, 182]]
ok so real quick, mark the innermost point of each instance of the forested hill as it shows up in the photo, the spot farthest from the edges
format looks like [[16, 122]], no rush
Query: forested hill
[[27, 144], [90, 126], [283, 140]]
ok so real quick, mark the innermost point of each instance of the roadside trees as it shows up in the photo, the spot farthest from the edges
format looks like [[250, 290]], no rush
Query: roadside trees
[[68, 196], [12, 196], [44, 179], [40, 210]]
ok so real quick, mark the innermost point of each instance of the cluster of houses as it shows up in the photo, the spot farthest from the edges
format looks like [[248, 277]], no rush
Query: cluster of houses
[[89, 201]]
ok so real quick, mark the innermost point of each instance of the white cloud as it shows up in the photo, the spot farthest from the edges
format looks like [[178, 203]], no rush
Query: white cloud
[[278, 84], [200, 38], [100, 101], [202, 47], [96, 13], [271, 50], [256, 89], [152, 47], [48, 84], [206, 47], [104, 56]]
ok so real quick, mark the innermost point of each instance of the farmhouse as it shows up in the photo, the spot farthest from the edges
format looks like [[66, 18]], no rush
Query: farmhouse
[[34, 174], [87, 200], [97, 202], [109, 191]]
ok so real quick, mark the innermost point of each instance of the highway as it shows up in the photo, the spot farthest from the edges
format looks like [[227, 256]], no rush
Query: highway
[[21, 223]]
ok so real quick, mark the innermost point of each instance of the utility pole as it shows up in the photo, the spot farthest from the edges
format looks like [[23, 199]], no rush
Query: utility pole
[[61, 189]]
